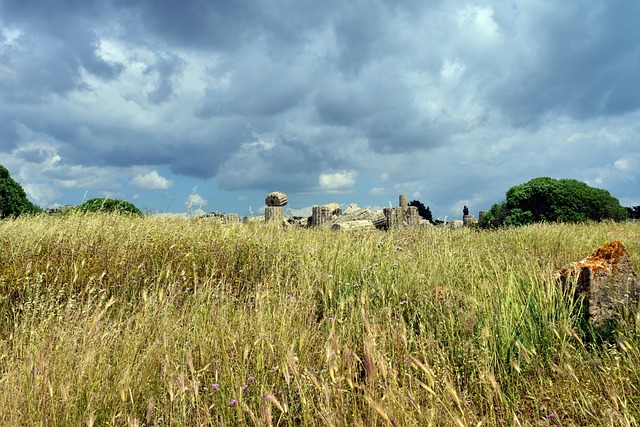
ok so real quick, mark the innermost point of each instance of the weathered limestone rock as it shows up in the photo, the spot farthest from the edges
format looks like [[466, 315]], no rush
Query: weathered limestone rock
[[456, 223], [226, 218], [411, 216], [276, 198], [351, 208], [354, 216], [335, 208], [468, 220], [404, 202], [360, 224], [273, 214], [320, 215], [323, 215], [398, 217], [395, 217], [379, 220], [607, 282], [298, 221], [230, 218]]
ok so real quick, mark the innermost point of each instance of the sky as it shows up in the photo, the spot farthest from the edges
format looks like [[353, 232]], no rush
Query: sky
[[209, 105]]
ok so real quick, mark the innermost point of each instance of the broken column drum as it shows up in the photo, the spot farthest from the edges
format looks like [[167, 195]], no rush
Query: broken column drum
[[276, 198]]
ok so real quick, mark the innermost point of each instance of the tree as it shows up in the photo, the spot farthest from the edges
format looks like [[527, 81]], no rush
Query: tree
[[548, 199], [423, 211], [634, 212], [495, 216], [108, 205], [13, 199]]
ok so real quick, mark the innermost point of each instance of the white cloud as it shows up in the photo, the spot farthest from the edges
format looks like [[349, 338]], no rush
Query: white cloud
[[452, 71], [337, 182], [302, 212], [195, 200], [478, 24], [151, 181], [43, 195], [621, 165], [378, 191]]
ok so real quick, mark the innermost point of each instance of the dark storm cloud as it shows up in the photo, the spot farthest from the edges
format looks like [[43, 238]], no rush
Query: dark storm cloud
[[281, 162], [166, 67], [574, 60], [255, 85], [34, 155], [261, 93], [55, 42]]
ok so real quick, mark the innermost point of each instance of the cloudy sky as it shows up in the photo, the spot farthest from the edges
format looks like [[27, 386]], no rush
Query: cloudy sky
[[212, 104]]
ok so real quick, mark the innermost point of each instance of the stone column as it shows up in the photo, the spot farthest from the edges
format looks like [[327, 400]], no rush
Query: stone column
[[404, 202], [273, 214], [274, 201], [395, 217], [412, 217], [468, 220], [320, 215]]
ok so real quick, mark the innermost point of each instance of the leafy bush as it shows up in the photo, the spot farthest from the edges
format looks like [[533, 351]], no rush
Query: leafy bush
[[423, 211], [108, 205], [13, 199], [548, 199]]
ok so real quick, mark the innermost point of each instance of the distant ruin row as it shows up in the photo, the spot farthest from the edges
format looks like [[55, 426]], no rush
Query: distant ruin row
[[354, 217]]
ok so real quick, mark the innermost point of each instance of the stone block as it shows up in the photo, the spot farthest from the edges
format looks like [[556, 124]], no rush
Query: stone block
[[361, 224], [605, 281]]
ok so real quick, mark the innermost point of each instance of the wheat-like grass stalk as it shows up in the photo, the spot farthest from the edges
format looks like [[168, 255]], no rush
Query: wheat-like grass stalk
[[112, 320]]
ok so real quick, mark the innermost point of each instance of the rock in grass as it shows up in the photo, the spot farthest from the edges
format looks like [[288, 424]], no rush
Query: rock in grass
[[359, 224], [607, 283]]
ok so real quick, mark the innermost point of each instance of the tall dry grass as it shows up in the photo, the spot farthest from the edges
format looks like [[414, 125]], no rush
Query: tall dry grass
[[110, 320]]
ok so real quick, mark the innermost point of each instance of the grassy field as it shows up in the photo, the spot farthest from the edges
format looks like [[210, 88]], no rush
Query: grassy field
[[109, 320]]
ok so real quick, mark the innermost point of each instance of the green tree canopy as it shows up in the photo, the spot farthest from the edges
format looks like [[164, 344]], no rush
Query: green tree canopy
[[108, 205], [13, 199], [423, 210], [548, 199]]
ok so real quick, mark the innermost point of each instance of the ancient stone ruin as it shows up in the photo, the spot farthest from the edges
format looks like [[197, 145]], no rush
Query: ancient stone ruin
[[606, 283], [402, 216], [325, 214], [227, 218], [353, 217], [469, 220], [275, 201]]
